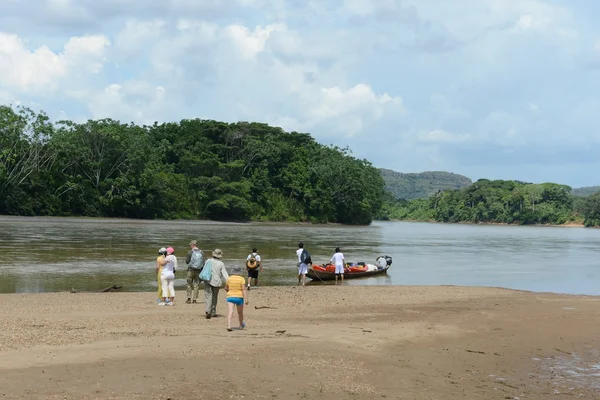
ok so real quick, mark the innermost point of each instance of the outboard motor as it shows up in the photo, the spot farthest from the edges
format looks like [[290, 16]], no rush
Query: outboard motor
[[388, 260]]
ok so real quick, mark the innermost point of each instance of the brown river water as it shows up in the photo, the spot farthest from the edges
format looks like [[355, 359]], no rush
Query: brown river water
[[58, 254]]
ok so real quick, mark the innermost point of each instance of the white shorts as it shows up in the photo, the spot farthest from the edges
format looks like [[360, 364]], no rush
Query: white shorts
[[339, 269], [302, 269]]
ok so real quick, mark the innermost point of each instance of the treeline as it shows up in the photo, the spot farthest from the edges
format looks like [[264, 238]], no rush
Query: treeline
[[194, 169], [510, 202]]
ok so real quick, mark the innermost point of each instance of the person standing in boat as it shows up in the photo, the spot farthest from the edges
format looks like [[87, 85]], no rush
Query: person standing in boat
[[339, 262], [304, 261]]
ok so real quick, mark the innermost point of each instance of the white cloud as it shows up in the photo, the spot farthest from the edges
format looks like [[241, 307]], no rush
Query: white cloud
[[493, 76], [442, 136], [36, 71], [530, 22]]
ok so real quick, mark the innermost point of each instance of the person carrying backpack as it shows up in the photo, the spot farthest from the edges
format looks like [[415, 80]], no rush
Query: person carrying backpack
[[253, 265], [195, 262], [304, 261]]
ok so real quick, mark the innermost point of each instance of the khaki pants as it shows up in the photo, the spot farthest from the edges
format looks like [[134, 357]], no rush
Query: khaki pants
[[193, 283], [211, 295]]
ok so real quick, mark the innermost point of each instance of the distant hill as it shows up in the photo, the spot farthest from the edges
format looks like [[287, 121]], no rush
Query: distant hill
[[421, 185], [585, 191]]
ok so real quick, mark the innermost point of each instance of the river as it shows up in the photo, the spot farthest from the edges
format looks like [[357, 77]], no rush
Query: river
[[58, 254]]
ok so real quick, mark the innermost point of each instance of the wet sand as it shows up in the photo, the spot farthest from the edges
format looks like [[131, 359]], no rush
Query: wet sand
[[325, 342]]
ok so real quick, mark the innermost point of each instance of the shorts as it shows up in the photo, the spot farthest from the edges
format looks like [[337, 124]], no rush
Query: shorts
[[238, 301], [339, 269], [253, 273], [302, 269]]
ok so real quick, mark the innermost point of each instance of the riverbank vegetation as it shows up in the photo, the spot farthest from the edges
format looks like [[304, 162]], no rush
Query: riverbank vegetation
[[195, 169], [509, 202]]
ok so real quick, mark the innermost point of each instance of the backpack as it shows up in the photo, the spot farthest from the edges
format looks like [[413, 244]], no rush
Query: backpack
[[197, 260], [206, 274], [305, 257], [251, 263]]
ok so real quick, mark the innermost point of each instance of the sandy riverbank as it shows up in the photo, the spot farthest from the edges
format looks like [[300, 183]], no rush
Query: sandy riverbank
[[347, 342]]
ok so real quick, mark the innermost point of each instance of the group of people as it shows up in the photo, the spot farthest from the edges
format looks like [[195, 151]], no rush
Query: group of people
[[214, 275]]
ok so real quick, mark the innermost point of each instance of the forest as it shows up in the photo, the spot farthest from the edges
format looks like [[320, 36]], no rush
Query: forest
[[205, 169], [498, 201], [193, 169]]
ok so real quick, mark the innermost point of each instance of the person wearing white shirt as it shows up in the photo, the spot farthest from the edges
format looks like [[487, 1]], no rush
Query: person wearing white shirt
[[338, 260], [302, 266], [254, 266], [167, 277]]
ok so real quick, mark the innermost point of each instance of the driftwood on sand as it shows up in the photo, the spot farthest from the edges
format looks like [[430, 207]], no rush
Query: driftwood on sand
[[112, 288]]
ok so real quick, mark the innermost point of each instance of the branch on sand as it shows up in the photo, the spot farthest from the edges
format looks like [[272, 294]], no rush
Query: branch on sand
[[112, 288]]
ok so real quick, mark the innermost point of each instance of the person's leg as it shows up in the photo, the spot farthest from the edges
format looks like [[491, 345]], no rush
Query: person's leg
[[229, 314], [195, 285], [189, 281], [165, 287], [240, 311], [249, 278], [207, 299], [159, 285], [215, 298], [172, 289]]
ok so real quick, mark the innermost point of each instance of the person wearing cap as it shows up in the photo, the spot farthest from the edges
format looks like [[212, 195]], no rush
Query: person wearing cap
[[236, 296], [162, 253], [211, 288], [193, 271], [167, 278]]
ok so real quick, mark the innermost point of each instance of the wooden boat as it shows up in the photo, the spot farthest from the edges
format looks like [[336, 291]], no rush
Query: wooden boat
[[328, 276]]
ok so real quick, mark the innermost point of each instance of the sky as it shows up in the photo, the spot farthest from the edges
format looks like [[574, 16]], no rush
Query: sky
[[498, 89]]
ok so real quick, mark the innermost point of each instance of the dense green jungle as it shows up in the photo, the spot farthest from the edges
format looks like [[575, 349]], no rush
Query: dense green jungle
[[205, 169]]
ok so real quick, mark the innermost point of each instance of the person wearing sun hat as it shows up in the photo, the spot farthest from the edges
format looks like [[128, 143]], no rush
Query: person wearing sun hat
[[211, 287], [195, 262]]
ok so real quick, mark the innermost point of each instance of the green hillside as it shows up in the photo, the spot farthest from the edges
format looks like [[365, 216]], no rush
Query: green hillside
[[421, 185], [585, 191]]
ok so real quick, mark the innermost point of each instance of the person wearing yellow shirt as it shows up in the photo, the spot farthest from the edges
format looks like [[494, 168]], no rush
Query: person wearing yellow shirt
[[162, 253], [236, 296]]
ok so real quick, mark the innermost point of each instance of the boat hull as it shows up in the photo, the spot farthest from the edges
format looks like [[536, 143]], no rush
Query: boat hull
[[329, 276]]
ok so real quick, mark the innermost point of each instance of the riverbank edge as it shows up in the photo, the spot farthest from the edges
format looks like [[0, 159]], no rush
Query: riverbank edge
[[54, 218], [51, 218], [286, 287], [570, 224]]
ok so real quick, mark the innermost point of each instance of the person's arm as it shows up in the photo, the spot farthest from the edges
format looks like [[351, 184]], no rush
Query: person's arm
[[260, 264], [245, 293], [188, 258], [163, 261], [227, 286], [224, 272]]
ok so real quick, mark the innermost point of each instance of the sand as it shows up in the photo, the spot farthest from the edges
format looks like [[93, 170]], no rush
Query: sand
[[325, 342]]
